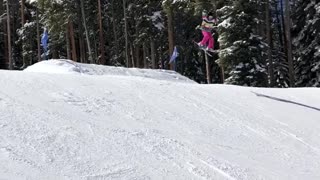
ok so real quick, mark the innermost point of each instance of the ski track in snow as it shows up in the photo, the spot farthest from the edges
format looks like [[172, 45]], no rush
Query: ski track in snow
[[115, 126]]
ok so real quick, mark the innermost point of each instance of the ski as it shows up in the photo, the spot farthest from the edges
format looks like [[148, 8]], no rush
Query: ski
[[203, 49]]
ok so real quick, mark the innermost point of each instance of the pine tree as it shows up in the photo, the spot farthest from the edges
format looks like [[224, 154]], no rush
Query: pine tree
[[270, 44], [242, 50], [26, 36], [288, 27], [280, 65], [307, 43], [153, 28]]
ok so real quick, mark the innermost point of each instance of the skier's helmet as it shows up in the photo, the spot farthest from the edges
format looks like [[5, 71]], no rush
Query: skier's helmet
[[204, 13], [210, 15]]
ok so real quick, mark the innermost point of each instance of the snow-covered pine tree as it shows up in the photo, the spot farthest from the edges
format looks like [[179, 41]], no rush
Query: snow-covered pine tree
[[26, 36], [140, 21], [187, 15], [280, 65], [54, 17], [242, 50], [307, 43]]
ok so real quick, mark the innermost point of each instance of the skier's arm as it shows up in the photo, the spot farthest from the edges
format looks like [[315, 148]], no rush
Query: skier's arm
[[203, 24]]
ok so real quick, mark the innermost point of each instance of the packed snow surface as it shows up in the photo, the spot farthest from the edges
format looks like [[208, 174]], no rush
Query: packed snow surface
[[63, 120]]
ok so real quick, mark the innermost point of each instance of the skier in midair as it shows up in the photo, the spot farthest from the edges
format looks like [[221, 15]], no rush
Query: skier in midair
[[207, 26]]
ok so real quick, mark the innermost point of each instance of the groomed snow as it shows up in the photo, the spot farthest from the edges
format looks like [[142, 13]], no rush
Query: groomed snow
[[63, 120]]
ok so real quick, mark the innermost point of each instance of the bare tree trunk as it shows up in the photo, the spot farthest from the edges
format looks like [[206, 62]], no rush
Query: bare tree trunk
[[4, 37], [55, 54], [82, 54], [279, 27], [285, 45], [86, 31], [169, 12], [129, 55], [260, 26], [289, 43], [38, 36], [209, 80], [9, 37], [162, 66], [133, 64], [23, 21], [1, 9], [137, 53], [114, 28], [145, 55], [95, 50], [152, 44], [102, 49], [6, 47], [269, 39], [126, 31], [137, 44], [73, 43], [222, 75], [153, 53], [68, 42], [82, 50]]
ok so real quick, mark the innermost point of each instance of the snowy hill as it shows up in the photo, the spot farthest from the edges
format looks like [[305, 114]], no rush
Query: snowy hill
[[70, 67], [62, 120]]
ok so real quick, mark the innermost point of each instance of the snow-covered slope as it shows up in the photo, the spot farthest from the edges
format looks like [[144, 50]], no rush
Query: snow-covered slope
[[70, 67], [129, 125]]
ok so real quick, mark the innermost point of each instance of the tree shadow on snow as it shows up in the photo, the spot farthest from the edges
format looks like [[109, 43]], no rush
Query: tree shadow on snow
[[286, 101]]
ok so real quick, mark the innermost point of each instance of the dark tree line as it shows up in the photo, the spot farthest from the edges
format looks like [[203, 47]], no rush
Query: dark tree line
[[268, 43]]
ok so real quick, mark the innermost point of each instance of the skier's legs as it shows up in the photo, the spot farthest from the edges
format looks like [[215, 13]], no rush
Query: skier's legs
[[205, 39], [211, 42]]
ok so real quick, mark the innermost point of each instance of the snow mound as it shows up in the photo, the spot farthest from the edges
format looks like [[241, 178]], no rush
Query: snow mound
[[61, 66], [102, 126]]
